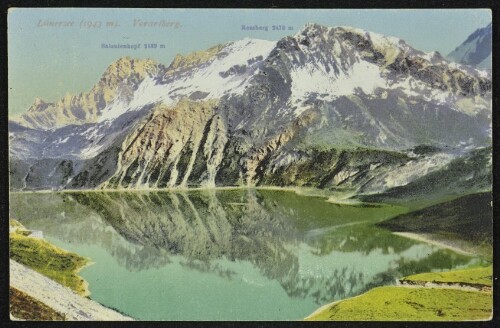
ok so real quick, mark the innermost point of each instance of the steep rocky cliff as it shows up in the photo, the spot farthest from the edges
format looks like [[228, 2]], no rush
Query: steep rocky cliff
[[174, 145]]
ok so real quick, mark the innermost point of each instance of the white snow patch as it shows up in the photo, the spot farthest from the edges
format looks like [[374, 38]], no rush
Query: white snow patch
[[313, 79], [416, 88], [90, 151], [149, 92], [208, 79], [204, 78]]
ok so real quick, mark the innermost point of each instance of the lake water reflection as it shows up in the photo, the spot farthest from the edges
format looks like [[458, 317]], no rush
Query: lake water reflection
[[241, 254]]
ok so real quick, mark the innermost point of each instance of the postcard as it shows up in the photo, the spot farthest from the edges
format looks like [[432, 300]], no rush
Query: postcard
[[250, 164]]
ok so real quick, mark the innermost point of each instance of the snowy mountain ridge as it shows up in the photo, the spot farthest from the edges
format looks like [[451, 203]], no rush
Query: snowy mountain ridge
[[476, 49], [251, 110], [229, 71]]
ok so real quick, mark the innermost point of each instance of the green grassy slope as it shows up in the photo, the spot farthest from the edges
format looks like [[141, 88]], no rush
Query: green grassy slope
[[410, 304], [417, 303], [49, 260], [475, 276]]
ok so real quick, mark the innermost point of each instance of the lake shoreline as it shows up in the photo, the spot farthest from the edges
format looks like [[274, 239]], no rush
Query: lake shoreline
[[387, 303], [325, 226], [303, 191], [85, 283], [59, 298], [436, 241], [34, 287]]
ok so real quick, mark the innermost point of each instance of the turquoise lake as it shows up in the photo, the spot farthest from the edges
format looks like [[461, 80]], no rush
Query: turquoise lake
[[244, 254]]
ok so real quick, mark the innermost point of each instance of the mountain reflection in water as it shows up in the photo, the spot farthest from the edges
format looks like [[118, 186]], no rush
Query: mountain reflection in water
[[316, 251]]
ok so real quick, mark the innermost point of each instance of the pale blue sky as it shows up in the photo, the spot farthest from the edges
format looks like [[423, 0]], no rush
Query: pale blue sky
[[48, 62]]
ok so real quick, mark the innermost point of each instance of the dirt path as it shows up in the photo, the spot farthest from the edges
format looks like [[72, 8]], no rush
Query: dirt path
[[58, 297], [451, 285], [429, 240]]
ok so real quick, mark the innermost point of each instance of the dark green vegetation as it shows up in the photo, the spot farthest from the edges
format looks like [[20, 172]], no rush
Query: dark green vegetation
[[420, 303], [25, 307], [49, 260], [468, 218], [464, 175]]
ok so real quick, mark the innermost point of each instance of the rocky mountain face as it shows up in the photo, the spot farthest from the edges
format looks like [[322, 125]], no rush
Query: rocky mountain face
[[476, 49], [172, 146], [335, 108], [117, 84]]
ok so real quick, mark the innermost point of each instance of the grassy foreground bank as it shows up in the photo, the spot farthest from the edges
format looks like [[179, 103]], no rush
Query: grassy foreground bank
[[49, 260], [396, 303]]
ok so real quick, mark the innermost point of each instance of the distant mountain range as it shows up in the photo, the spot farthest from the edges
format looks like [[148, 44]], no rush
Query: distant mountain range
[[335, 108], [476, 49]]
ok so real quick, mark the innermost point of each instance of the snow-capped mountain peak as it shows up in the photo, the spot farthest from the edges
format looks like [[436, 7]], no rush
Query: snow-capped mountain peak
[[203, 75], [230, 110], [330, 62], [476, 49]]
